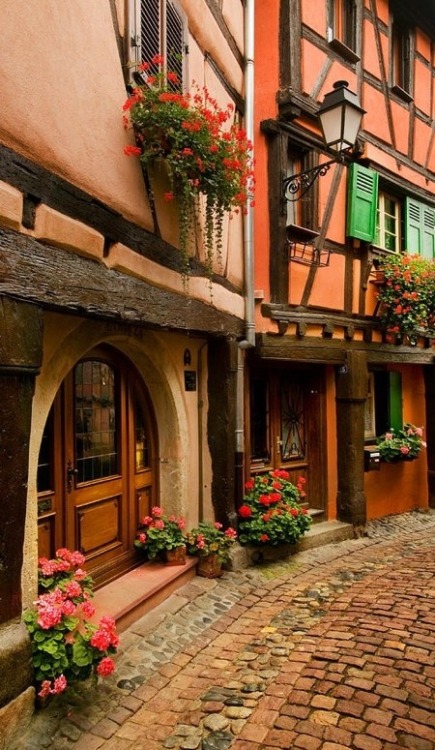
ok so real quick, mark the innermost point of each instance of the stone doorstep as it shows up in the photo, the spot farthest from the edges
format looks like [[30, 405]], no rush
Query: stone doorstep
[[320, 534], [140, 590]]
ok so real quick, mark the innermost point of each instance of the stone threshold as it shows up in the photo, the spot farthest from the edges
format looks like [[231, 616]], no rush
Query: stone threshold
[[140, 590], [320, 534]]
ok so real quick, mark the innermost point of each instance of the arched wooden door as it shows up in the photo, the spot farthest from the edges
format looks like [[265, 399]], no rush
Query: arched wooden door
[[96, 477]]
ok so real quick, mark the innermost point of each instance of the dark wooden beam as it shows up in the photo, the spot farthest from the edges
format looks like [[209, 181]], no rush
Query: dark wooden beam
[[351, 394], [63, 281], [333, 351]]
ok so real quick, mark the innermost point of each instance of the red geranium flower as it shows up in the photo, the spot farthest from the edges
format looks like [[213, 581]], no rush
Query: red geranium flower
[[245, 511]]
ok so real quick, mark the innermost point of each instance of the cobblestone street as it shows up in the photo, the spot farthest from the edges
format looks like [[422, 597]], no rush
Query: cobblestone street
[[332, 649]]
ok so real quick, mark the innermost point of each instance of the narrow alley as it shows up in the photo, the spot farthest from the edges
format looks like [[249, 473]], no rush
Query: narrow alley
[[332, 649]]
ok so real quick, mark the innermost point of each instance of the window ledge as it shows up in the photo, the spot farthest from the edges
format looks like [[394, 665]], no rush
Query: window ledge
[[402, 94], [296, 233], [344, 51]]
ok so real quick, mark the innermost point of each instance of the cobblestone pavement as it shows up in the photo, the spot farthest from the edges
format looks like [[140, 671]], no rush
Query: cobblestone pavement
[[332, 649]]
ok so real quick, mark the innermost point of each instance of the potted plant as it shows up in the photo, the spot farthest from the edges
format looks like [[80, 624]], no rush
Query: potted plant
[[271, 513], [66, 647], [206, 152], [406, 297], [162, 536], [212, 546], [404, 445]]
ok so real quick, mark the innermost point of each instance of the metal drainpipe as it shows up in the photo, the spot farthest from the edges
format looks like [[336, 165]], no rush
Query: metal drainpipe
[[248, 228], [200, 404], [248, 232]]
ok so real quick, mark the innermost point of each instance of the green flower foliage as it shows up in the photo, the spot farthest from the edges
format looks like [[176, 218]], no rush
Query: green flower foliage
[[271, 513], [407, 297], [65, 646], [405, 445]]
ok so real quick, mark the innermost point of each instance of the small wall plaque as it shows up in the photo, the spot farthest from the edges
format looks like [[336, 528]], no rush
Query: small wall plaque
[[189, 380]]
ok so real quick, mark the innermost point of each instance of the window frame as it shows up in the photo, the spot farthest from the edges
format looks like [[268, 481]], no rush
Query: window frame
[[342, 31], [134, 51], [385, 403], [401, 56], [302, 213], [379, 239], [417, 218]]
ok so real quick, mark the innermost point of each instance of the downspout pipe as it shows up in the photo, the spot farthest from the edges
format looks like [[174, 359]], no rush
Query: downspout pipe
[[248, 228], [248, 248]]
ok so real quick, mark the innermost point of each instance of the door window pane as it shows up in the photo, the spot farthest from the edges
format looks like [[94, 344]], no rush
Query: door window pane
[[45, 460], [260, 437], [142, 442], [292, 420], [96, 441]]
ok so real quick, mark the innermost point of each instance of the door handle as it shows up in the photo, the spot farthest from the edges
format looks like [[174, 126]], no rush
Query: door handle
[[71, 472]]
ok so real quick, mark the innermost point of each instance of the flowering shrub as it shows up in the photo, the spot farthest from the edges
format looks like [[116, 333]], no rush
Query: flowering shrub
[[65, 646], [404, 445], [204, 153], [159, 533], [208, 539], [407, 296], [271, 513]]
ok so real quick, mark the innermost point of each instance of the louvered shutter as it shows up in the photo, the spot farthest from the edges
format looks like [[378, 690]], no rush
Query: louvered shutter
[[428, 247], [174, 39], [362, 203], [150, 29], [419, 228]]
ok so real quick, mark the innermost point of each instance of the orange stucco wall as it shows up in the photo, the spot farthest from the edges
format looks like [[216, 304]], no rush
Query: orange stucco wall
[[400, 487]]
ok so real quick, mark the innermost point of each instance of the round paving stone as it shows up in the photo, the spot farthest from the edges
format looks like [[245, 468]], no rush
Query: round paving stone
[[216, 722], [238, 712], [217, 741]]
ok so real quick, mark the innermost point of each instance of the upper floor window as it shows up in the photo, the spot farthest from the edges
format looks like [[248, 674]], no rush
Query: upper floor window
[[377, 217], [302, 212], [388, 223], [401, 60], [157, 28], [342, 28]]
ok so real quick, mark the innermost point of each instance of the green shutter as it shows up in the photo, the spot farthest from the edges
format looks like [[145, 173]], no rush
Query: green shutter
[[428, 247], [362, 203], [395, 400], [419, 228]]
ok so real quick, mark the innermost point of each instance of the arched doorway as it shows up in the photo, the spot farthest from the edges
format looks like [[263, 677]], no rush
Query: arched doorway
[[96, 473]]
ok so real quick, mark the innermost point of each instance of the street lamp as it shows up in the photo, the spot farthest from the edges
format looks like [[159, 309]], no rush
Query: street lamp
[[340, 116]]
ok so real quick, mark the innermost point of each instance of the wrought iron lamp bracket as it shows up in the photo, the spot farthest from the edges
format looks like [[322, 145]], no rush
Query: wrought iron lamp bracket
[[297, 185]]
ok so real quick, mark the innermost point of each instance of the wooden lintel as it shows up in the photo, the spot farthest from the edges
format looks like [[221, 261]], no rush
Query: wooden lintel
[[313, 349], [60, 280]]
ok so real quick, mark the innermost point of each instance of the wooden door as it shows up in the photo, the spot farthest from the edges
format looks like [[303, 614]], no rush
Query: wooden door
[[287, 426], [102, 477]]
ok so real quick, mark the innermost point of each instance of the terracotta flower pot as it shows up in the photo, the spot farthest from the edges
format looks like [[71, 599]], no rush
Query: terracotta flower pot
[[175, 556], [209, 566]]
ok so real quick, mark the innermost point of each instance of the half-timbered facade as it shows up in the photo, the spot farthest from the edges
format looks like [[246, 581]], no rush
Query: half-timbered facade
[[117, 376], [324, 378]]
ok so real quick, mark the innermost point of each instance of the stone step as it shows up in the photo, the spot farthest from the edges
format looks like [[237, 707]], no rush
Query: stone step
[[140, 590], [324, 532]]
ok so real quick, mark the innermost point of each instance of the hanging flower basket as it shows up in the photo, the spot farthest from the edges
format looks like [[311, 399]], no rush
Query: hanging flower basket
[[207, 153]]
